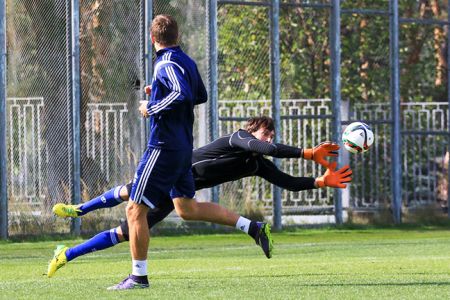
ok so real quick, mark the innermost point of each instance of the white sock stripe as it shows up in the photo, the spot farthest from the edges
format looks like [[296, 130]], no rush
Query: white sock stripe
[[243, 224], [147, 174], [163, 104], [140, 183], [139, 267], [116, 193], [112, 234]]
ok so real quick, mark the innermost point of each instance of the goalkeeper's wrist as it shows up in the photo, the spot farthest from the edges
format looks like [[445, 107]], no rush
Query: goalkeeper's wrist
[[320, 182], [308, 154]]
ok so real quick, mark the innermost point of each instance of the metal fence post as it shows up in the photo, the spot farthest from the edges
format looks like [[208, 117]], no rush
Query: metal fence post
[[336, 93], [147, 63], [3, 155], [213, 91], [448, 111], [275, 86], [148, 45], [76, 108], [395, 102]]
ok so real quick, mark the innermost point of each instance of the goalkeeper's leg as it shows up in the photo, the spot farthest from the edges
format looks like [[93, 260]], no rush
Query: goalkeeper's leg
[[109, 199]]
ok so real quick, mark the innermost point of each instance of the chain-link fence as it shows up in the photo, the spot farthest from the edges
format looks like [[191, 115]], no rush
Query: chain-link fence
[[111, 68], [40, 113]]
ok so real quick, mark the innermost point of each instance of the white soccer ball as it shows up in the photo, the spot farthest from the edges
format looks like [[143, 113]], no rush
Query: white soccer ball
[[357, 137]]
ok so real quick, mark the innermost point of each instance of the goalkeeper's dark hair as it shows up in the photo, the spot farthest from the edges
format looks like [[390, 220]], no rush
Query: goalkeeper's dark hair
[[255, 123], [165, 30]]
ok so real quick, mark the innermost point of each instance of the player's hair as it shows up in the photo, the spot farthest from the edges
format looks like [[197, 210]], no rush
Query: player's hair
[[165, 30], [255, 123]]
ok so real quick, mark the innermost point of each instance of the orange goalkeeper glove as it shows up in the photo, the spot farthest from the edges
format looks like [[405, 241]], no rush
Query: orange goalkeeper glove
[[321, 151], [334, 178]]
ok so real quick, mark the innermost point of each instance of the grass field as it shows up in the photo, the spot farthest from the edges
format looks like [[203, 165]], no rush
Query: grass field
[[307, 264]]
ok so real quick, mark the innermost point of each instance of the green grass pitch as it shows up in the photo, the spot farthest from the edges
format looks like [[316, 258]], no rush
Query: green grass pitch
[[307, 264]]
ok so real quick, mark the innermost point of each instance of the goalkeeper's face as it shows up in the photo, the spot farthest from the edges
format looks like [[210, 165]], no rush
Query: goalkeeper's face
[[264, 134]]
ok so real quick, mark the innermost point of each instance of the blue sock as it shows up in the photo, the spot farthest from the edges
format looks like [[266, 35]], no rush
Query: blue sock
[[103, 240], [109, 199]]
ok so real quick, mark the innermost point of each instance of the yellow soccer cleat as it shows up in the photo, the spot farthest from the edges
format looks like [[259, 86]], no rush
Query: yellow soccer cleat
[[66, 210], [59, 260]]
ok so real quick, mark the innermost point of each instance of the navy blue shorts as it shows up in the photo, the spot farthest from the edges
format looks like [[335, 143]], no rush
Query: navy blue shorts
[[161, 173]]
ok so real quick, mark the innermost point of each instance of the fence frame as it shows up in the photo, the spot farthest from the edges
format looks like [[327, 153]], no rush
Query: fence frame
[[275, 79], [395, 104], [76, 110], [3, 154], [213, 81], [448, 99], [335, 32], [73, 40]]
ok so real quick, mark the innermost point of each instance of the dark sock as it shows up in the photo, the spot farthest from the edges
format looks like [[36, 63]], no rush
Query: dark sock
[[253, 230], [140, 279]]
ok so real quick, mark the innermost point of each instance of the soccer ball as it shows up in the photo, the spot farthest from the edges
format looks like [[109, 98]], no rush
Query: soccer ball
[[357, 137]]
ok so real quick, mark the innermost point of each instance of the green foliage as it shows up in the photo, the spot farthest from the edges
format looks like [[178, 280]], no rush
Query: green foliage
[[244, 53], [244, 49]]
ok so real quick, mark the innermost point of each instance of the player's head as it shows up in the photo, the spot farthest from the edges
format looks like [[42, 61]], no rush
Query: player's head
[[164, 30], [261, 127]]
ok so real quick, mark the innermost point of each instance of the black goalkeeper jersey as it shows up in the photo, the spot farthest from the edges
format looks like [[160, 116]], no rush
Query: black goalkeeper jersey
[[230, 158], [240, 155]]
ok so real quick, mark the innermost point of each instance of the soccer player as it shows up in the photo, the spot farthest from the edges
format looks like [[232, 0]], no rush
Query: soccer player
[[231, 157], [165, 167]]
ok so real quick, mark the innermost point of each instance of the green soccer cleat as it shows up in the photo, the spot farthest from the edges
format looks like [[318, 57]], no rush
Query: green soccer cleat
[[59, 260], [264, 238], [66, 210]]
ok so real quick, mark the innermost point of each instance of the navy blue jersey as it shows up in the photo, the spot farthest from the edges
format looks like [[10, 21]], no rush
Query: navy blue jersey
[[176, 88]]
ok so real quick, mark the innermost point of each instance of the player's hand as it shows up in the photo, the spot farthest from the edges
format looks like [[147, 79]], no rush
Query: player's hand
[[143, 108], [320, 152], [333, 178], [148, 89]]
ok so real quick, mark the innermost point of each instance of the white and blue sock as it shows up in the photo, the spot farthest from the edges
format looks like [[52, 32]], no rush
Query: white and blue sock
[[247, 226], [109, 199], [103, 240], [139, 268], [243, 224]]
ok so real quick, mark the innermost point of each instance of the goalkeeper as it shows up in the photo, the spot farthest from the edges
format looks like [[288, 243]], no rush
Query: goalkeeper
[[229, 158]]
